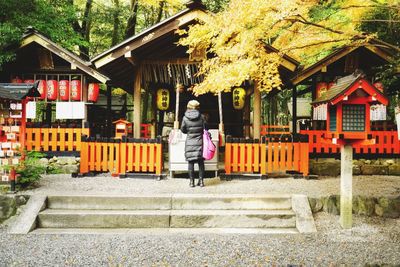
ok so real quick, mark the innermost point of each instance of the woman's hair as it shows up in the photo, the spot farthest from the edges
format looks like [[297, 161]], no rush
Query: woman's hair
[[193, 104]]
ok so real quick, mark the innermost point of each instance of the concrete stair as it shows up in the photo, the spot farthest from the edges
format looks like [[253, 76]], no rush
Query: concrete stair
[[176, 212]]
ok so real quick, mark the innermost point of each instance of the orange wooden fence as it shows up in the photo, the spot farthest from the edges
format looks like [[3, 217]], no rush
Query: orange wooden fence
[[54, 139], [274, 129], [270, 155], [120, 157], [386, 143]]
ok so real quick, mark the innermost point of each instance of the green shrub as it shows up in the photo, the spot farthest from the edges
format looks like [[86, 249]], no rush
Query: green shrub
[[30, 170]]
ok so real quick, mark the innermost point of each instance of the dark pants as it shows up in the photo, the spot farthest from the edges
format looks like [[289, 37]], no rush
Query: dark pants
[[201, 168]]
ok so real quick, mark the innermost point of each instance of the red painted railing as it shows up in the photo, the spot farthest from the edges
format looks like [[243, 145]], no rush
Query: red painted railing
[[386, 143]]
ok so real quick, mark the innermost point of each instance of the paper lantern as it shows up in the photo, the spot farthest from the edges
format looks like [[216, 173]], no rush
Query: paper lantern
[[93, 92], [52, 90], [76, 90], [42, 88], [238, 97], [162, 99], [63, 87]]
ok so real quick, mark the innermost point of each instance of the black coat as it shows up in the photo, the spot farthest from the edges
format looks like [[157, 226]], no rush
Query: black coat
[[193, 125]]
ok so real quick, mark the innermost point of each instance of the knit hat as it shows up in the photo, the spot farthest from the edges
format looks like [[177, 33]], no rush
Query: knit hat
[[193, 104]]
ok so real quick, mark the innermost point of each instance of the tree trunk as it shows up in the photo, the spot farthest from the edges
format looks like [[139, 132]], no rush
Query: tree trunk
[[115, 34], [85, 30], [160, 11], [131, 25]]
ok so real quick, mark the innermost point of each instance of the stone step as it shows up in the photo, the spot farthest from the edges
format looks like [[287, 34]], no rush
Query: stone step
[[172, 201], [162, 231], [52, 218], [231, 202], [147, 202]]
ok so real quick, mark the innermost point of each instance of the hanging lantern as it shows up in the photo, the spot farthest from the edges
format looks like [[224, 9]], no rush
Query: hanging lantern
[[76, 90], [16, 79], [63, 87], [42, 88], [93, 92], [162, 99], [322, 87], [379, 86], [238, 97], [52, 90]]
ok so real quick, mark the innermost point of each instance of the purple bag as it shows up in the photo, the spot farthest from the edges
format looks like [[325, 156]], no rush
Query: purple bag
[[208, 146]]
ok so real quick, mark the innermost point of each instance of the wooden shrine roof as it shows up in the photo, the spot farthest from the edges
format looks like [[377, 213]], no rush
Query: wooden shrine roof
[[33, 36], [18, 91], [158, 45], [380, 48], [342, 85]]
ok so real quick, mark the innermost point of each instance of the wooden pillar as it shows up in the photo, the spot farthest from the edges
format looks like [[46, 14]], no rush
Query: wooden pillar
[[257, 112], [221, 116], [48, 114], [294, 110], [136, 102], [110, 127], [84, 98], [153, 114], [246, 117]]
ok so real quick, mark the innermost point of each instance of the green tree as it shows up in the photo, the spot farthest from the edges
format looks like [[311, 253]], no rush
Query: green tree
[[53, 18]]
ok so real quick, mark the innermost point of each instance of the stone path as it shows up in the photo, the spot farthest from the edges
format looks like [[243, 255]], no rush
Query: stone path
[[325, 186], [372, 240]]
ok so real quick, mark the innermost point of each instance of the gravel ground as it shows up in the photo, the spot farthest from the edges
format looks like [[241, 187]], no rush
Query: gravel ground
[[324, 186], [372, 240]]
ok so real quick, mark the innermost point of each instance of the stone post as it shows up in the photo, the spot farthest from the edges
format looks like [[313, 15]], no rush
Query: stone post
[[346, 186]]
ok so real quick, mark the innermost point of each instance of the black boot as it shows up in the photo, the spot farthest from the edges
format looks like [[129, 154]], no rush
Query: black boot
[[200, 182], [191, 177]]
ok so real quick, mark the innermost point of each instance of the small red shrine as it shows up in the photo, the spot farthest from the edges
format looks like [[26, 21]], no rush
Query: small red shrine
[[346, 107], [121, 128]]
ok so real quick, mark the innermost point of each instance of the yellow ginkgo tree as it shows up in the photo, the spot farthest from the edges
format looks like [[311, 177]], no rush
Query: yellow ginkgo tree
[[236, 38]]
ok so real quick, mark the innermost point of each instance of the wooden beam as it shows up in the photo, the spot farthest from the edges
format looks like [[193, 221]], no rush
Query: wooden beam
[[257, 111], [137, 120], [147, 37], [288, 65], [379, 52], [323, 63]]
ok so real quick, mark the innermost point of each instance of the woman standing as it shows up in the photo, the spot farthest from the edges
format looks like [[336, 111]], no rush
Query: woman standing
[[193, 125]]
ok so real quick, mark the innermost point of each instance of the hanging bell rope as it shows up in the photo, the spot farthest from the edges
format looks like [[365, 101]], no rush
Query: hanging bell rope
[[176, 122]]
